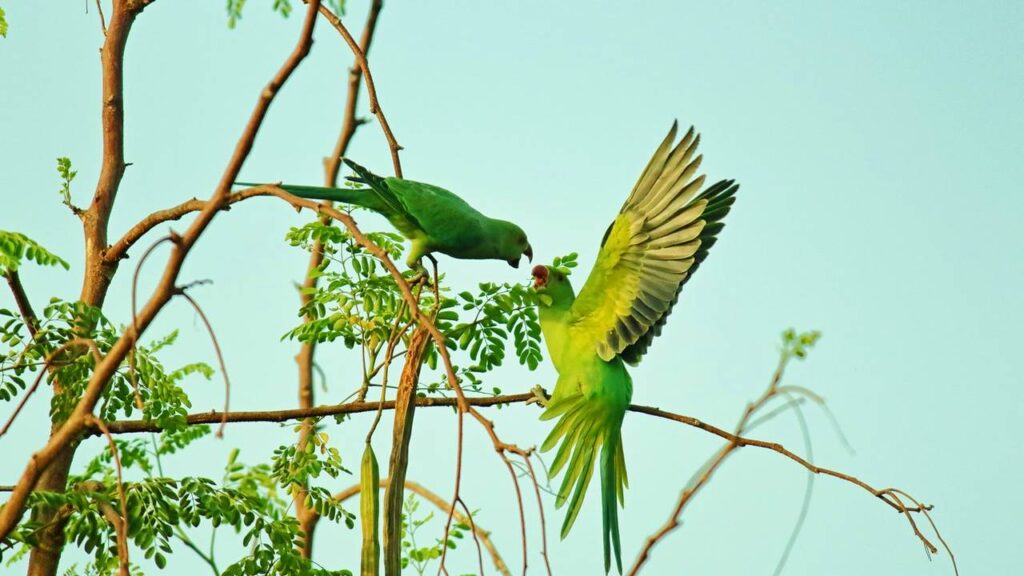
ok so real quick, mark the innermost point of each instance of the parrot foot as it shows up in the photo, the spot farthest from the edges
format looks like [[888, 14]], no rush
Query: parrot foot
[[422, 277], [540, 396]]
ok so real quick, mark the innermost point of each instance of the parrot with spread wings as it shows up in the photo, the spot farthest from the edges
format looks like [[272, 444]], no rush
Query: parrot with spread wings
[[431, 218], [657, 241]]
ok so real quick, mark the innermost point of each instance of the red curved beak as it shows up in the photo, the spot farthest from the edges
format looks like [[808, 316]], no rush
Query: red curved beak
[[540, 276]]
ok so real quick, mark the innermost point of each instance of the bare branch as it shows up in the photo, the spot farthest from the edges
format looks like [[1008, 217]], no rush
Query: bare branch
[[119, 249], [540, 509], [350, 123], [121, 526], [21, 299], [214, 417], [371, 90], [220, 356], [103, 20], [735, 440]]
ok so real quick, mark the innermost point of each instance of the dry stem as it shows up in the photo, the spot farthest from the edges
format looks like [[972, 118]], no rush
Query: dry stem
[[21, 299], [482, 536], [371, 89], [121, 526], [220, 356]]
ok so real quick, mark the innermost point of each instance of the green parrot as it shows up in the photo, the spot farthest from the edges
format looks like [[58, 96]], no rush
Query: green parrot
[[432, 218], [656, 242]]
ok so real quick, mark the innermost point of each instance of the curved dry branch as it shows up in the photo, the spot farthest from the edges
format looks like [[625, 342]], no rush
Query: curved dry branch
[[371, 89], [119, 249], [217, 351], [482, 536], [121, 523], [736, 440], [21, 299]]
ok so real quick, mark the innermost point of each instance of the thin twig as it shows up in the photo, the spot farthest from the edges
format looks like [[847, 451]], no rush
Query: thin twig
[[805, 505], [472, 526], [121, 527], [540, 508], [371, 90], [350, 123], [103, 20], [924, 510], [735, 441], [220, 357], [119, 250], [420, 490], [307, 516], [132, 372], [21, 299]]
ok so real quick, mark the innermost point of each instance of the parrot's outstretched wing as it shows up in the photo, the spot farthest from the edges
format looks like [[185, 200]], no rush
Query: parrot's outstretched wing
[[660, 236]]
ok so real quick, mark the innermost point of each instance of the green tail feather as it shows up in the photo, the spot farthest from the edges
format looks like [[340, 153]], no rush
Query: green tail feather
[[359, 197], [378, 185], [588, 428]]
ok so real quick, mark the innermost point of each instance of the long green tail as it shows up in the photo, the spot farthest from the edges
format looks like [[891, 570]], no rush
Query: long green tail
[[587, 427], [359, 197]]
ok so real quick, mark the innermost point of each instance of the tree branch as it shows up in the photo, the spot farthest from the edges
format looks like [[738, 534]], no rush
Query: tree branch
[[121, 523], [215, 417], [12, 511], [371, 90], [305, 515], [119, 250], [21, 299], [735, 441]]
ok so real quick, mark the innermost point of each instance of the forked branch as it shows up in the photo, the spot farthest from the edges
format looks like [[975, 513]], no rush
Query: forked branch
[[77, 422]]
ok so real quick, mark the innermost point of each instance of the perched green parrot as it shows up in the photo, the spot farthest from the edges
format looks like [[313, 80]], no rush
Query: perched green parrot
[[656, 242], [432, 218]]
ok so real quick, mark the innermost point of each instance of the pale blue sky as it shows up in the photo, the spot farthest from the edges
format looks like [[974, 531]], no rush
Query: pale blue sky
[[878, 147]]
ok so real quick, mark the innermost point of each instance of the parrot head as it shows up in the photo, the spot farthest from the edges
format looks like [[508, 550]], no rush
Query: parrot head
[[552, 285], [512, 244]]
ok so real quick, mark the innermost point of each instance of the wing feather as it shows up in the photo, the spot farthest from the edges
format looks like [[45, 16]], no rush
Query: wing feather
[[660, 236]]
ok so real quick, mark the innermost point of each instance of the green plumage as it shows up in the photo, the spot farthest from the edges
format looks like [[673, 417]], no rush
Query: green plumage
[[432, 218], [656, 242]]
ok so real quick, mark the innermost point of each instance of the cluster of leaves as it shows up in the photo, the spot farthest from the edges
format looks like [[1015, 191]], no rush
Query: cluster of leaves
[[160, 389], [66, 176], [796, 345], [91, 504], [358, 302], [16, 247], [161, 509], [499, 310], [294, 467], [3, 24], [419, 557], [565, 264]]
